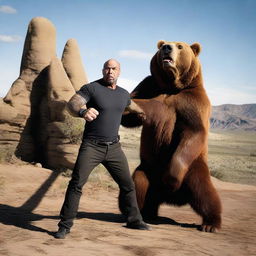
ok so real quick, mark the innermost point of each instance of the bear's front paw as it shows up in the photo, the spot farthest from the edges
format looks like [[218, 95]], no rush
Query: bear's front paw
[[171, 182]]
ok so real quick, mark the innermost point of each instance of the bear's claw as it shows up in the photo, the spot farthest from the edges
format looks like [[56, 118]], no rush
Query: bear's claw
[[208, 228]]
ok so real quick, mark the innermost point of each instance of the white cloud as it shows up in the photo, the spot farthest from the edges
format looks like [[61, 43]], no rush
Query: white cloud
[[135, 54], [219, 96], [7, 9], [9, 39], [127, 84]]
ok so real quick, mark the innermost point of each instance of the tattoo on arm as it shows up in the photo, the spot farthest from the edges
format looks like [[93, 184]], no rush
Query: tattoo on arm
[[75, 104]]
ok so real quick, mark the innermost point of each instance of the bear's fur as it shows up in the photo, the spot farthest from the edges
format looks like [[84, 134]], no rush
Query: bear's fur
[[173, 108]]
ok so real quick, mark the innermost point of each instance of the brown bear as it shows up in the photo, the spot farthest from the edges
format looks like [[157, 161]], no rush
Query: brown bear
[[173, 109]]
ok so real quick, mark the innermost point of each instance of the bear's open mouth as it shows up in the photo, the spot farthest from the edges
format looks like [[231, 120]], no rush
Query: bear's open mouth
[[168, 60]]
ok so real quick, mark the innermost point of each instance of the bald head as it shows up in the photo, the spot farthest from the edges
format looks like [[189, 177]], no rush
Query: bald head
[[111, 62], [111, 72]]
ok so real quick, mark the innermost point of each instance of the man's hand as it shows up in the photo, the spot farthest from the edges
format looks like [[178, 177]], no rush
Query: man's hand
[[90, 114], [134, 108]]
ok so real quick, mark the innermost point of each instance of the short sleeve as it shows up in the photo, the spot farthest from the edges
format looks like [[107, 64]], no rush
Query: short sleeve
[[86, 91], [128, 101]]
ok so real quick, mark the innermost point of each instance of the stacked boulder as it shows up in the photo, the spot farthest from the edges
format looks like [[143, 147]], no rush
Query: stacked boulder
[[34, 123]]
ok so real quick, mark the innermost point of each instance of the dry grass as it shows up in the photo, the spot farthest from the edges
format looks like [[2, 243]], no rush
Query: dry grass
[[6, 154], [231, 154], [100, 177], [232, 157], [2, 183], [72, 129]]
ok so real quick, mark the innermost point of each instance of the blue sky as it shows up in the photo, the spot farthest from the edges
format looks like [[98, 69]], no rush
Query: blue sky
[[129, 30]]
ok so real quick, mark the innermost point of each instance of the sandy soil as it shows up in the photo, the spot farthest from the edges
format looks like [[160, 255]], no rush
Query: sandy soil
[[30, 199]]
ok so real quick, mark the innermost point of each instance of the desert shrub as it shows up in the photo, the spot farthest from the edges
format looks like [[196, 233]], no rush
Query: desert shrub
[[253, 154], [66, 172], [101, 177], [6, 154], [217, 174], [72, 128]]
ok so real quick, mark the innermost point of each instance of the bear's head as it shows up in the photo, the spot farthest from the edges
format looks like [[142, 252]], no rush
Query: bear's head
[[176, 65]]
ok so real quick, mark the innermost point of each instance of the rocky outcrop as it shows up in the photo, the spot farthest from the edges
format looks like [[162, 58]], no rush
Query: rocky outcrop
[[34, 124], [18, 107], [73, 66], [59, 146]]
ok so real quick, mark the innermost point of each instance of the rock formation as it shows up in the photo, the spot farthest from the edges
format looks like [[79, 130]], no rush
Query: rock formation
[[59, 145], [34, 124], [72, 63]]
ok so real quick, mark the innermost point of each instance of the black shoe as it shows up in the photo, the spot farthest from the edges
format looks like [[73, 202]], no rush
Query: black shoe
[[61, 233], [139, 225]]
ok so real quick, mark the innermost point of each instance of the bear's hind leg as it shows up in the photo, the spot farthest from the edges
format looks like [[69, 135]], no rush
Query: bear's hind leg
[[146, 195], [141, 183], [205, 199], [151, 205], [141, 186]]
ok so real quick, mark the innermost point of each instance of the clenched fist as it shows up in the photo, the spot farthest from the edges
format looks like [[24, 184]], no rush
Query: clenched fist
[[90, 114]]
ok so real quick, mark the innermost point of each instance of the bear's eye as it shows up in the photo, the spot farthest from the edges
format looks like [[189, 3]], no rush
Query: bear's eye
[[180, 46]]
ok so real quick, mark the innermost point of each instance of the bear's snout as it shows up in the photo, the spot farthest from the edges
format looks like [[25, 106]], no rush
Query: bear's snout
[[167, 49]]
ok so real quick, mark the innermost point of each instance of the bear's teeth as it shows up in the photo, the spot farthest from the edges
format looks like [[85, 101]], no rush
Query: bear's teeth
[[168, 60]]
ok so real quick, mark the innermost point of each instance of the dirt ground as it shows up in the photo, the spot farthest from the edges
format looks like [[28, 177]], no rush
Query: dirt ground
[[31, 197]]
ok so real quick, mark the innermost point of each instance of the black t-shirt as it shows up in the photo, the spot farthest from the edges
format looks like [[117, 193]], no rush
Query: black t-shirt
[[110, 104]]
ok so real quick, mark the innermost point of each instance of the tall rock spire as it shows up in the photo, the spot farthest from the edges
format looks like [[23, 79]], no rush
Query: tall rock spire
[[39, 49], [72, 63], [40, 45], [19, 106]]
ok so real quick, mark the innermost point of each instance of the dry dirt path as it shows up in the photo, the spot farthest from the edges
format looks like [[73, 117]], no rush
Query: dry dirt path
[[30, 199]]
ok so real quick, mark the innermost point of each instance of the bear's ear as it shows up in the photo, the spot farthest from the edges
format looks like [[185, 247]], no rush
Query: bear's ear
[[160, 43], [196, 48]]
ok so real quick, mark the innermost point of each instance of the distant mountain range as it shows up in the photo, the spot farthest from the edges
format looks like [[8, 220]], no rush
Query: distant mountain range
[[233, 117]]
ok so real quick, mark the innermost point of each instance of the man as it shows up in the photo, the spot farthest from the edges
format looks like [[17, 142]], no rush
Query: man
[[101, 103]]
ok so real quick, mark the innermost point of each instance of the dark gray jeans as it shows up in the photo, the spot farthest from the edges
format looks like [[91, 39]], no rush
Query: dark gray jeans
[[112, 157]]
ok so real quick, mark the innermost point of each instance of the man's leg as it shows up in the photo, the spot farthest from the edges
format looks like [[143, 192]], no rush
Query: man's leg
[[89, 156], [117, 165]]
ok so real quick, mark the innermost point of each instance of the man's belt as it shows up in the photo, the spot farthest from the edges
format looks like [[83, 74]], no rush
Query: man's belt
[[105, 143]]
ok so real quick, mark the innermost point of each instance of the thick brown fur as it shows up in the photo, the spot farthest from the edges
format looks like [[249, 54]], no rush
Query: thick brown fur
[[174, 111]]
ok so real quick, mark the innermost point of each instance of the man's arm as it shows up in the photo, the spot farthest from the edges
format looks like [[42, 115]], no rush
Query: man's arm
[[77, 108], [134, 109], [133, 115], [75, 104]]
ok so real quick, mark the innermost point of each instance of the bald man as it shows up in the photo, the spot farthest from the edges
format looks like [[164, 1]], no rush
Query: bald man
[[101, 103]]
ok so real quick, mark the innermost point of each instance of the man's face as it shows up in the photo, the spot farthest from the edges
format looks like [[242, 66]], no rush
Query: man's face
[[111, 72]]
